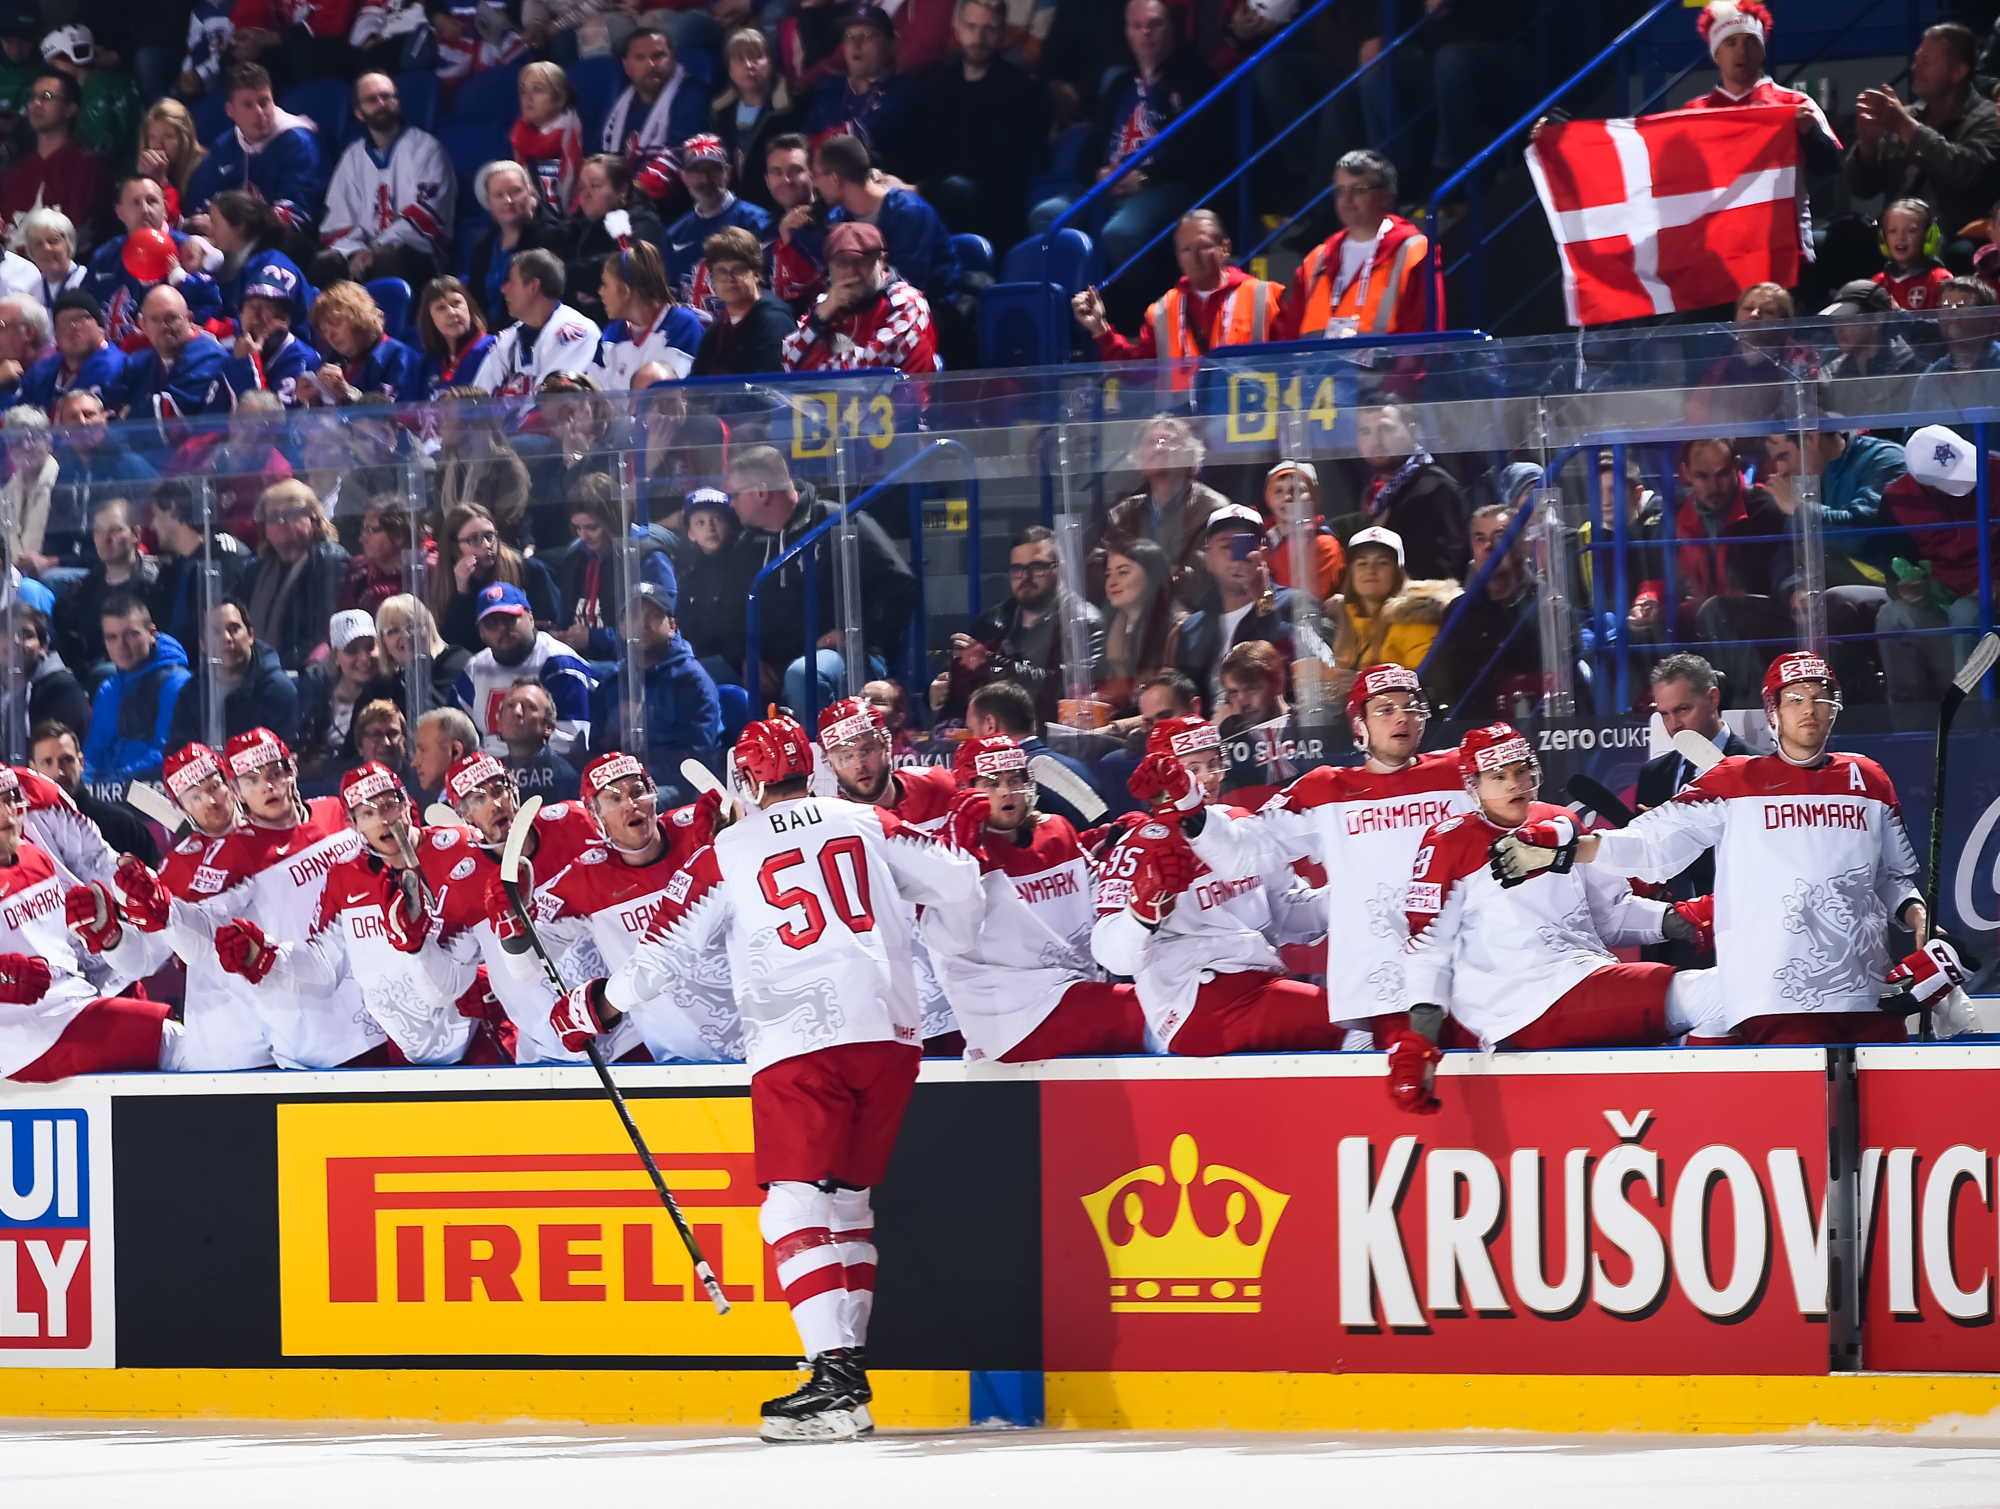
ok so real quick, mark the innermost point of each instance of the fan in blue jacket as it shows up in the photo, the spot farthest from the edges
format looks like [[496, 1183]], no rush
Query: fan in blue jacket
[[134, 709], [187, 379], [919, 245], [121, 292], [269, 151], [266, 270], [347, 328], [683, 711], [83, 361], [272, 358]]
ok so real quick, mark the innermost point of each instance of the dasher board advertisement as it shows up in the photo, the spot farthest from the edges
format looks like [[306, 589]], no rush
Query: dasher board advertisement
[[57, 1274], [1552, 1218]]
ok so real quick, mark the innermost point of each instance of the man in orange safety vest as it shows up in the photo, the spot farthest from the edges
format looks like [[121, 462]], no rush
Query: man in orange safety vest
[[1213, 305], [1367, 278]]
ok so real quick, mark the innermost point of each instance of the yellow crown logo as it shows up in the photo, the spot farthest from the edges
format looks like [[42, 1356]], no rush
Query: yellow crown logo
[[1186, 1271]]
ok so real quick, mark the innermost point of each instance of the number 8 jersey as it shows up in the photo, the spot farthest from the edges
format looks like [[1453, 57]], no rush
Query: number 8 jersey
[[807, 897]]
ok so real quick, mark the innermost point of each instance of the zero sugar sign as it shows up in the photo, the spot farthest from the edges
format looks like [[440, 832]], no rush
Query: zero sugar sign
[[55, 1231]]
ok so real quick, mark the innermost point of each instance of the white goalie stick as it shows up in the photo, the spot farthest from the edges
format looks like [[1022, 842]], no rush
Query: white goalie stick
[[157, 805], [702, 778], [510, 882], [1697, 751], [1977, 664]]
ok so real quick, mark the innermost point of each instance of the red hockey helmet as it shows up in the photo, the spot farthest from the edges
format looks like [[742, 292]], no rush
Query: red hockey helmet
[[468, 775], [773, 751], [614, 765], [253, 750], [1376, 681], [365, 783], [1798, 665], [1182, 736], [848, 720], [1495, 747], [188, 766], [986, 757]]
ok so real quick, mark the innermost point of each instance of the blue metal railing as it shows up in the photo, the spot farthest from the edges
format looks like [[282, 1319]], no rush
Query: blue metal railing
[[753, 638]]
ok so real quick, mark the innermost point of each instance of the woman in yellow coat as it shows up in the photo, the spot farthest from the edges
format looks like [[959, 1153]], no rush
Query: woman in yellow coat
[[1380, 616]]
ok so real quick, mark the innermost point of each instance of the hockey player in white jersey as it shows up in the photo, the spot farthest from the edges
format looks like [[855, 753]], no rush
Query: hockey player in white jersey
[[378, 913], [1363, 825], [1811, 862], [1197, 941], [1523, 966], [1018, 970], [807, 894]]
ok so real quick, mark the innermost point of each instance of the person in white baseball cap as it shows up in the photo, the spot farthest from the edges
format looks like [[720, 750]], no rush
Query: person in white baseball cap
[[1935, 579], [330, 691], [1380, 615]]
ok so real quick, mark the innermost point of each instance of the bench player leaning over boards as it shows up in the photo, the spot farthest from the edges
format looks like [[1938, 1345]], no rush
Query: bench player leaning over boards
[[1811, 863]]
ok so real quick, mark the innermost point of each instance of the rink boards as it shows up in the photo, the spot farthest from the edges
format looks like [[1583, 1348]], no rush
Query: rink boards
[[1577, 1241]]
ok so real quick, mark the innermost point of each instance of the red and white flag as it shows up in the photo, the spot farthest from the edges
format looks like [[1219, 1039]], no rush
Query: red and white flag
[[1667, 212]]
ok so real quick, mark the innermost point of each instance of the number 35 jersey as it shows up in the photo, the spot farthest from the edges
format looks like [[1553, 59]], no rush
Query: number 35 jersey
[[808, 898]]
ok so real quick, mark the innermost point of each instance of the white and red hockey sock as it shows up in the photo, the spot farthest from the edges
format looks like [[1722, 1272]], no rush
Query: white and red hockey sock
[[797, 1220], [854, 1239]]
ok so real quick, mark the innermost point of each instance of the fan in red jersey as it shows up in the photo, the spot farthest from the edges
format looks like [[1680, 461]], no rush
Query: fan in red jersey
[[854, 737], [1363, 825], [1811, 864], [1198, 941], [609, 893], [810, 897], [1523, 966], [1018, 970], [378, 915], [273, 868], [52, 1022], [481, 791]]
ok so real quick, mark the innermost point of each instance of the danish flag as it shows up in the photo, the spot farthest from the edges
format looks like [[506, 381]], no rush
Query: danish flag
[[1667, 212]]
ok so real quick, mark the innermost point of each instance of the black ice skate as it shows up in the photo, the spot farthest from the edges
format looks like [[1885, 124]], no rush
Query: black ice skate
[[824, 1407]]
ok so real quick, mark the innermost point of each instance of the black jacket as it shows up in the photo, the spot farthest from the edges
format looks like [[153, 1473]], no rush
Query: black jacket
[[301, 627], [172, 597], [998, 629], [265, 697], [446, 667], [752, 345], [55, 694], [989, 130], [746, 149], [122, 828], [1427, 507], [79, 626], [1194, 159], [887, 588], [546, 230], [586, 244], [1659, 781], [1200, 648]]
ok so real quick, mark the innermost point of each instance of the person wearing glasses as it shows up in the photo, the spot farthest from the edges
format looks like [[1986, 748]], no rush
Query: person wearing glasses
[[748, 335], [1367, 278], [61, 173], [1021, 639]]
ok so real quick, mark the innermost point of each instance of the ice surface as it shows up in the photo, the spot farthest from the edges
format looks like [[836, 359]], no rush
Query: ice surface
[[222, 1465]]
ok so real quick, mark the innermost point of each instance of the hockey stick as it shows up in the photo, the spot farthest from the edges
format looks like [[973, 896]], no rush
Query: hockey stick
[[1697, 751], [162, 809], [702, 778], [510, 882], [438, 815], [1977, 664], [1598, 798]]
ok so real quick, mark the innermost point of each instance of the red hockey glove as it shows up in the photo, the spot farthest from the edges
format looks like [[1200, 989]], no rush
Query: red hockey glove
[[705, 818], [408, 912], [1413, 1061], [965, 828], [1692, 922], [91, 912], [146, 900], [576, 1016], [1930, 972], [24, 978], [1096, 842], [1162, 783], [520, 953], [1649, 890], [1534, 849], [1166, 867], [242, 949]]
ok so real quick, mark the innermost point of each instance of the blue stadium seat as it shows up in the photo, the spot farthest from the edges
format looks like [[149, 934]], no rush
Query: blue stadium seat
[[1023, 325], [419, 94], [211, 119], [471, 145], [700, 67], [1073, 261], [392, 296], [329, 104], [597, 82], [735, 709], [494, 95], [473, 223], [1060, 180], [975, 253]]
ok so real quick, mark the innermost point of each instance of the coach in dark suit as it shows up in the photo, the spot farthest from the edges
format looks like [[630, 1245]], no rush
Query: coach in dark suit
[[1688, 695]]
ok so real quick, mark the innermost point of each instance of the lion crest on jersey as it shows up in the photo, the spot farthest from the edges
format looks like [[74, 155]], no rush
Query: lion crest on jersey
[[1831, 917], [1575, 933], [807, 1014], [1387, 916]]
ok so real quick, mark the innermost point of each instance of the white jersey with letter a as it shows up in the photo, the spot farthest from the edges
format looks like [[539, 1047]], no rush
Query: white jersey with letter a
[[1498, 957], [1809, 867], [1364, 828], [1221, 924], [808, 897]]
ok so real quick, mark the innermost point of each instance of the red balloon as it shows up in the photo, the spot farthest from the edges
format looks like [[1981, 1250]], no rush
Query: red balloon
[[148, 254]]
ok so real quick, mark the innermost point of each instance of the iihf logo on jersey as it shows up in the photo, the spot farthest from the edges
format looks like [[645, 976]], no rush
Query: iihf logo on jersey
[[1185, 1271], [45, 1230]]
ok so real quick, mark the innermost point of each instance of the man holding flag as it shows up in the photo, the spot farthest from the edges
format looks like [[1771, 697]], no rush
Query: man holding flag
[[1684, 210]]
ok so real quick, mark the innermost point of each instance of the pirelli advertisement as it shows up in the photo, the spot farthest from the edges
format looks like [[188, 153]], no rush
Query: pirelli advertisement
[[1586, 1213]]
